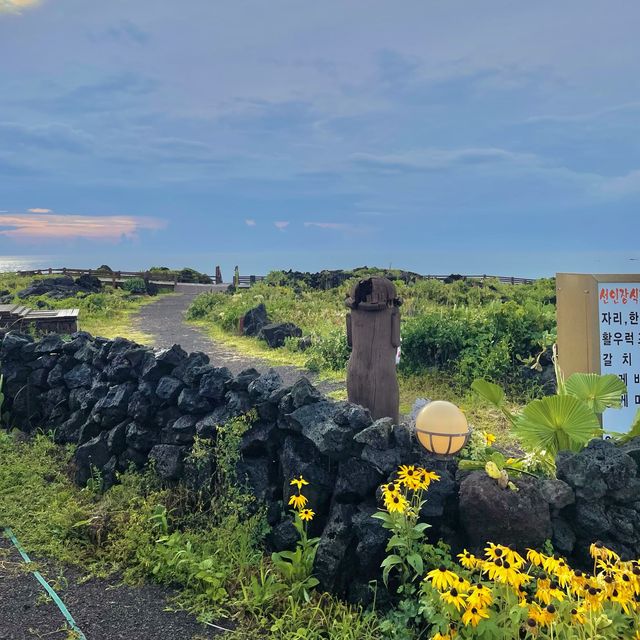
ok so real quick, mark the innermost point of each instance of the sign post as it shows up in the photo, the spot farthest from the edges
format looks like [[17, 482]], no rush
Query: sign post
[[599, 332]]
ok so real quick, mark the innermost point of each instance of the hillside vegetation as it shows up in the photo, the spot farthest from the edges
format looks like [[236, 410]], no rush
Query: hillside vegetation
[[457, 331]]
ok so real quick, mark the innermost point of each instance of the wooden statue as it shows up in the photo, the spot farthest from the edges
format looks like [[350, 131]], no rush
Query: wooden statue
[[373, 333]]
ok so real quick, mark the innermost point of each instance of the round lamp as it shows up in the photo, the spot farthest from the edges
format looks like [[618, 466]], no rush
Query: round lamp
[[442, 428]]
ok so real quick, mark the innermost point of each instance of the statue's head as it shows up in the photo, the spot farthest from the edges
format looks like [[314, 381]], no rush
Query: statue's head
[[373, 294]]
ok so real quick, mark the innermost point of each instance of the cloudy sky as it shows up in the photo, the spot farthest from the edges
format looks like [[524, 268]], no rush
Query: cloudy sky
[[495, 136]]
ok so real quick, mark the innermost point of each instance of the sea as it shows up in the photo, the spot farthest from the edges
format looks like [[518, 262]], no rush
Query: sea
[[25, 263]]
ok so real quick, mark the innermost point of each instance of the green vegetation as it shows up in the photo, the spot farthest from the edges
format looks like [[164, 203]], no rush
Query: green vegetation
[[106, 314], [208, 547], [183, 275]]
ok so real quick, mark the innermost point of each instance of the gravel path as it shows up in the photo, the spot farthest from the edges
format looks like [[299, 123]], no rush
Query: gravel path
[[102, 609], [164, 320]]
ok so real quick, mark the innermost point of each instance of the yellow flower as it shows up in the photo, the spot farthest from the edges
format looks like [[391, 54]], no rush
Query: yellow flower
[[306, 514], [427, 477], [441, 578], [480, 596], [473, 616], [535, 557], [298, 482], [454, 597], [578, 615], [297, 501], [443, 636], [468, 560], [394, 501], [489, 438], [409, 476]]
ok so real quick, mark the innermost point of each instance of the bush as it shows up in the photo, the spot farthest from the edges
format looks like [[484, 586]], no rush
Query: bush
[[135, 285]]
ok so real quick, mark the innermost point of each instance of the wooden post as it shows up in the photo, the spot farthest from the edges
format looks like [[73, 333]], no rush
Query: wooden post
[[218, 275], [373, 333]]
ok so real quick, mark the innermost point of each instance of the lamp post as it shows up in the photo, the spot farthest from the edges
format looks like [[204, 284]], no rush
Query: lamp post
[[442, 428]]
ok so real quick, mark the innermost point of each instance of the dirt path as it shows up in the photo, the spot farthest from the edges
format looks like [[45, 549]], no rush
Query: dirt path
[[102, 609], [164, 320]]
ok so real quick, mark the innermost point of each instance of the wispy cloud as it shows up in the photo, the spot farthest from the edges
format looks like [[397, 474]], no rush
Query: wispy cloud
[[14, 6], [36, 210], [328, 225], [439, 159], [626, 185], [250, 223], [281, 224], [584, 116], [49, 226]]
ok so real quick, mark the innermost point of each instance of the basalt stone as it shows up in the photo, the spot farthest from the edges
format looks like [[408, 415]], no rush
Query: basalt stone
[[119, 347], [356, 481], [132, 458], [276, 334], [260, 475], [38, 378], [302, 393], [213, 384], [563, 537], [488, 512], [69, 431], [378, 435], [182, 431], [172, 356], [386, 462], [166, 417], [140, 407], [110, 473], [140, 438], [77, 398], [136, 356], [237, 403], [117, 438], [352, 416], [186, 370], [242, 381], [260, 439], [442, 493], [600, 467], [55, 398], [632, 449], [591, 519], [27, 353], [333, 564], [115, 403], [198, 475], [169, 388], [92, 454], [51, 343], [261, 388], [78, 340], [254, 320], [13, 342], [372, 541], [90, 429], [47, 361], [55, 377], [190, 401], [207, 427], [627, 494], [85, 353], [97, 392], [624, 522], [168, 460], [119, 370], [557, 493], [81, 375], [150, 369], [283, 536]]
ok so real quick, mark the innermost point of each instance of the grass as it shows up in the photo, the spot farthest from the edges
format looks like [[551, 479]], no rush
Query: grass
[[211, 556], [107, 314]]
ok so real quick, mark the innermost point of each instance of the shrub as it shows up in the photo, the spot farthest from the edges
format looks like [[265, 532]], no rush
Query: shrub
[[135, 285]]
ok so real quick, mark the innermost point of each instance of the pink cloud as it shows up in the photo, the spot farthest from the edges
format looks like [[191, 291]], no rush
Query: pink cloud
[[39, 210], [281, 224], [48, 226]]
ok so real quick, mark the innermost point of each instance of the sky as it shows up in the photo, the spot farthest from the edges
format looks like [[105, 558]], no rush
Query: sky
[[496, 136]]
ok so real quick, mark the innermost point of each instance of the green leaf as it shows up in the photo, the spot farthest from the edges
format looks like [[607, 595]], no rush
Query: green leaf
[[415, 562], [555, 423], [391, 560], [489, 391], [598, 392], [633, 432]]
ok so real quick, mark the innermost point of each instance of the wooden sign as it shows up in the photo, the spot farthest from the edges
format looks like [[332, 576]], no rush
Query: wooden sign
[[599, 332]]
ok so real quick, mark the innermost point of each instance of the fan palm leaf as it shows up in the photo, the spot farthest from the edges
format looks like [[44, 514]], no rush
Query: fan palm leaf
[[598, 392], [555, 423]]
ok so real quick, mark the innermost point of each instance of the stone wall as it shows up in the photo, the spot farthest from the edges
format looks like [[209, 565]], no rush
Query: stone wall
[[125, 404]]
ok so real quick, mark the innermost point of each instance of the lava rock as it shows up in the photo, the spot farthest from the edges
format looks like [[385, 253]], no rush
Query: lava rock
[[169, 388], [190, 401], [213, 384], [378, 435], [81, 375], [168, 459], [254, 320], [172, 356], [92, 454], [261, 388], [276, 334]]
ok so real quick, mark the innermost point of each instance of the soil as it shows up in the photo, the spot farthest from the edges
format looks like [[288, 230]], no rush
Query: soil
[[165, 321], [102, 609]]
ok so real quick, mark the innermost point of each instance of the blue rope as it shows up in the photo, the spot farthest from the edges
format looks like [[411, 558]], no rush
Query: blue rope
[[54, 596]]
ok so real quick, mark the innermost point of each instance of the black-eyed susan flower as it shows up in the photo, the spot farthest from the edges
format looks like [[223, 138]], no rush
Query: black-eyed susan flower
[[535, 557], [454, 597], [409, 476], [474, 615], [480, 596], [442, 579], [468, 560], [489, 438], [427, 477], [298, 482], [306, 514], [297, 501], [395, 502]]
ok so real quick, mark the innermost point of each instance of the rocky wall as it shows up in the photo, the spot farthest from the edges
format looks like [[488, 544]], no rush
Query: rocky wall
[[124, 404]]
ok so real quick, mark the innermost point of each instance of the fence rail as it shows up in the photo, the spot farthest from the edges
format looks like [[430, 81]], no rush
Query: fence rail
[[155, 276]]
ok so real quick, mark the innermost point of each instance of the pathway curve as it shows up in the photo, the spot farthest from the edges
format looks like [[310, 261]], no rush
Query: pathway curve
[[164, 319]]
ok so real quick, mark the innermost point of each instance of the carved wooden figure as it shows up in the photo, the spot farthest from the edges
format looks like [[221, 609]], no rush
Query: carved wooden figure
[[373, 333]]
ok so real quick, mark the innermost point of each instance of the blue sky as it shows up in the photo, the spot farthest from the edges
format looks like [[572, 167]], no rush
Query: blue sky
[[475, 137]]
